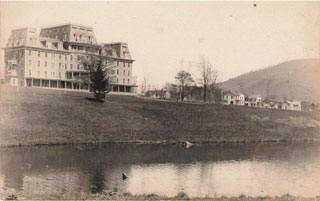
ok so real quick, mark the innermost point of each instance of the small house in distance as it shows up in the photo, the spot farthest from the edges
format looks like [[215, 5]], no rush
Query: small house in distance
[[272, 105], [253, 101], [291, 105], [231, 98], [161, 94]]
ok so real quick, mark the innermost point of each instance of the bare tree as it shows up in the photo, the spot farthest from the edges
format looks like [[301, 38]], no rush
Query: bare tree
[[208, 77], [144, 86], [184, 80]]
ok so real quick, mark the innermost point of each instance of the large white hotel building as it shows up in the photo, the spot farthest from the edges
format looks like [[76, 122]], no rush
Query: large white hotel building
[[54, 58]]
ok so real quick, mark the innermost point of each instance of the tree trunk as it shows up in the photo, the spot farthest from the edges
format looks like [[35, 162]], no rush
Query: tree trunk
[[205, 93]]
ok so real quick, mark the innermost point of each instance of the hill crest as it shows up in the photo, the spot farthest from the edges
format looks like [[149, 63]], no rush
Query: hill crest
[[295, 79]]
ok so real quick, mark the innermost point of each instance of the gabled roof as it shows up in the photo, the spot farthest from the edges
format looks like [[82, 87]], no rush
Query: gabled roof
[[293, 102], [233, 93]]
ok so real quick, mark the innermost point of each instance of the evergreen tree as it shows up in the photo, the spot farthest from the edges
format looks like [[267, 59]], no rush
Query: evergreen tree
[[99, 83]]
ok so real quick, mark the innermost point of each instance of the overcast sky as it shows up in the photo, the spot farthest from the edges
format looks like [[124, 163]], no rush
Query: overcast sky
[[237, 36]]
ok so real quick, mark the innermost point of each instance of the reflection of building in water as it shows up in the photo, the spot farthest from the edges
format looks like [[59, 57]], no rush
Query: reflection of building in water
[[53, 183], [199, 171]]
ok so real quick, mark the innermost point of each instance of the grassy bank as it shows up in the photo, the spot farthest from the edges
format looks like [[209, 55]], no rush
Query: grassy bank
[[39, 116]]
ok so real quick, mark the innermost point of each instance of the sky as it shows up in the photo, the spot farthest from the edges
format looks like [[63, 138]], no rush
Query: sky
[[166, 37]]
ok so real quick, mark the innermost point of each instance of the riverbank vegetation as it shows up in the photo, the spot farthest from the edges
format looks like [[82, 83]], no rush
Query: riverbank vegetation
[[39, 116]]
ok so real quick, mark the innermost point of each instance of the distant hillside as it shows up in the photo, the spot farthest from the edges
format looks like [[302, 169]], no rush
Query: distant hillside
[[297, 79]]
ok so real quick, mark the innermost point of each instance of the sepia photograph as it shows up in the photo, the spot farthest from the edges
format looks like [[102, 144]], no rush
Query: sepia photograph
[[160, 100]]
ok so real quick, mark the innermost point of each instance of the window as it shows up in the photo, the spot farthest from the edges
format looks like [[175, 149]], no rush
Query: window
[[128, 72], [38, 73], [78, 66], [66, 66], [71, 66], [128, 81], [59, 75], [124, 80], [128, 64], [117, 63], [29, 62], [124, 64], [52, 65], [117, 71], [38, 63], [59, 66], [66, 58], [29, 72], [124, 72], [53, 74], [78, 57], [45, 64], [117, 80], [45, 73], [46, 54], [29, 52], [70, 57], [38, 53], [59, 56]]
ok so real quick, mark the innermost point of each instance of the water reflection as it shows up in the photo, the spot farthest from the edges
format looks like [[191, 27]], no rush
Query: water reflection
[[207, 170]]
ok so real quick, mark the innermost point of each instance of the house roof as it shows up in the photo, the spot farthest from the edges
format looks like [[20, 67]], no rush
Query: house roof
[[232, 93], [293, 102]]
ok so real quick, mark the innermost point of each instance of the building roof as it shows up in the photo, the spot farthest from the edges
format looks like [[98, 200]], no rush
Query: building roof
[[53, 40], [293, 102], [233, 93], [113, 43], [66, 24]]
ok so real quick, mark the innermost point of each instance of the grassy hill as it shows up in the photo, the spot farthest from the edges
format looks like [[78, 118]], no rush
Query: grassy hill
[[39, 116], [298, 79]]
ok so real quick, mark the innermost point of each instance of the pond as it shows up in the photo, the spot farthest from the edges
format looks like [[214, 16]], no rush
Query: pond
[[272, 169]]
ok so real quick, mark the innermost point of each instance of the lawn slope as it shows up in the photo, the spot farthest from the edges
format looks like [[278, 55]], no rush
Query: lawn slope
[[38, 116]]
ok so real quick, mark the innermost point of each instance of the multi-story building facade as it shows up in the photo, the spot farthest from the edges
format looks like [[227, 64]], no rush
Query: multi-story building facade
[[54, 58]]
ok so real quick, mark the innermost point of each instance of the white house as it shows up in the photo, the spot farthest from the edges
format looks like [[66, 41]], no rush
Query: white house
[[271, 105], [291, 105], [234, 98], [253, 101]]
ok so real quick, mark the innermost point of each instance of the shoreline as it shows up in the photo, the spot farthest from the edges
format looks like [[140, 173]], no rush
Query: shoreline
[[140, 142], [112, 195]]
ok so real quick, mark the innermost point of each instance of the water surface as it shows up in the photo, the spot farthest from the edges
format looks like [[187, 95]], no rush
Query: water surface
[[200, 171]]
